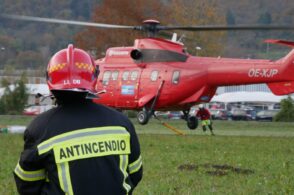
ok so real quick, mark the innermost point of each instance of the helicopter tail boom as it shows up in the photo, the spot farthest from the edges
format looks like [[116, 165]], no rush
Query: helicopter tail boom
[[285, 87], [278, 75]]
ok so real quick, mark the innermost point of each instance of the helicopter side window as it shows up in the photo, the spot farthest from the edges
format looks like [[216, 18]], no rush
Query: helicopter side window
[[154, 75], [106, 77], [125, 75], [134, 75], [114, 75], [176, 77]]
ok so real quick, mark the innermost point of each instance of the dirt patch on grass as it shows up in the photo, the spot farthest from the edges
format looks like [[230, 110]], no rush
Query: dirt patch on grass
[[217, 173], [222, 167], [221, 170], [215, 169], [187, 167], [243, 171]]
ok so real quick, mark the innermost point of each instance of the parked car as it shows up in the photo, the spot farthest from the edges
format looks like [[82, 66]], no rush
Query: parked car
[[32, 110], [219, 114], [239, 114], [251, 114], [266, 115], [243, 114], [175, 115], [161, 114], [169, 114]]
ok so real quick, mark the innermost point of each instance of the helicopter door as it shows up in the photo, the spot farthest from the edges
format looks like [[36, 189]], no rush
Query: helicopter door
[[110, 84], [151, 80], [128, 97]]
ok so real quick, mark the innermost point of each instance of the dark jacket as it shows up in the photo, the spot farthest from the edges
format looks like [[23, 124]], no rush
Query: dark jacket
[[79, 148]]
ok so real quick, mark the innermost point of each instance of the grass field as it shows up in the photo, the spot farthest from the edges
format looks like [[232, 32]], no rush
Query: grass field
[[243, 158]]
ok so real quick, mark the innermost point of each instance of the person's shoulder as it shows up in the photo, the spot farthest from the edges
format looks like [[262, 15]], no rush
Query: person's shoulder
[[45, 116], [106, 109], [37, 126], [46, 113], [116, 115]]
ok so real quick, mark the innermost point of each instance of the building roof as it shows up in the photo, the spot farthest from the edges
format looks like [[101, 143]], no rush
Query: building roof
[[247, 97], [38, 88], [33, 89]]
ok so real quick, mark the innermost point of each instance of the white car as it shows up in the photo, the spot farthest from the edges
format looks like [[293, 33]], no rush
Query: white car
[[36, 109]]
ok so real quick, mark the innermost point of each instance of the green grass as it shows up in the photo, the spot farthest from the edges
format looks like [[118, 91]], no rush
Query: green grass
[[10, 148], [244, 158], [229, 128], [219, 165], [14, 120]]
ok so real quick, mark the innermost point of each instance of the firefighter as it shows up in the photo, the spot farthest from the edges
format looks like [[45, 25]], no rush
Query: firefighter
[[204, 115], [79, 147]]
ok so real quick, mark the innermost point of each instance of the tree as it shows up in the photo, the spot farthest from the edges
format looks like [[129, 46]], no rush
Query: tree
[[29, 59], [14, 98], [192, 13], [123, 13], [286, 113]]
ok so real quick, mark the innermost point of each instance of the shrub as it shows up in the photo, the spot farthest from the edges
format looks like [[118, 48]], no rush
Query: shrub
[[286, 113], [14, 98]]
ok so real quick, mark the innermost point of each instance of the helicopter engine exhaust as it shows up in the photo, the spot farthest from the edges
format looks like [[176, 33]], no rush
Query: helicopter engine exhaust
[[136, 54]]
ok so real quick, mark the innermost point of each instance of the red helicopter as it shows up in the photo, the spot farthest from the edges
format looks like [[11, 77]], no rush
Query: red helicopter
[[158, 74]]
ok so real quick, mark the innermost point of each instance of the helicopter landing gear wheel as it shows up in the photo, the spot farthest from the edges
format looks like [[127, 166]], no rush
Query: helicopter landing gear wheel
[[143, 117], [192, 122]]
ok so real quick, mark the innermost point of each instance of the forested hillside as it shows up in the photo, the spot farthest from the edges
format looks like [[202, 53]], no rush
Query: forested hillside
[[26, 45], [29, 45]]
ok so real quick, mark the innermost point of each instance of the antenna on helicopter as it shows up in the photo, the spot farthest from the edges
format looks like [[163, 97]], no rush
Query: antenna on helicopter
[[174, 37], [181, 38]]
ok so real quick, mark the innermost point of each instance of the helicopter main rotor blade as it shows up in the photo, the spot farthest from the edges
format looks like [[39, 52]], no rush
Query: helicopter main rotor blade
[[151, 27], [60, 21], [227, 28]]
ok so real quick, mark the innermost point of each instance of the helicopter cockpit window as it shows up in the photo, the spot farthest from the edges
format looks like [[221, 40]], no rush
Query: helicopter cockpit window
[[125, 75], [154, 75], [134, 75], [114, 75], [176, 77], [106, 77]]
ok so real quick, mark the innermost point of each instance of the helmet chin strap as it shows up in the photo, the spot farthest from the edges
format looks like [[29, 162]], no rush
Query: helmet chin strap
[[95, 95]]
